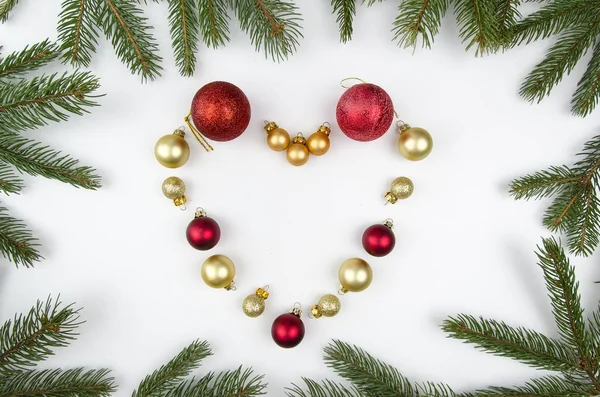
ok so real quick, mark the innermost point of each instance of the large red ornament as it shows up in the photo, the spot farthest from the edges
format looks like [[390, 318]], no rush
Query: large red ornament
[[378, 240], [203, 233], [365, 112], [220, 111], [287, 330]]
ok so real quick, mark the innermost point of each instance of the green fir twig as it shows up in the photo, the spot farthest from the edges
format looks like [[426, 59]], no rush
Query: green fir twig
[[184, 25], [17, 243], [9, 181], [237, 383], [77, 31], [28, 59], [327, 388], [345, 11], [418, 18], [6, 7], [214, 22]]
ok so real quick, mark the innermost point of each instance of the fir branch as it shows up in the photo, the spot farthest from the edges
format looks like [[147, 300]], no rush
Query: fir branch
[[77, 32], [36, 159], [418, 17], [167, 377], [214, 22], [521, 344], [587, 94], [28, 59], [17, 244], [478, 25], [31, 104], [184, 26], [548, 386], [31, 338], [124, 25], [346, 11], [507, 15], [238, 383], [543, 183], [6, 7], [58, 383], [371, 376], [273, 25], [9, 181], [325, 389]]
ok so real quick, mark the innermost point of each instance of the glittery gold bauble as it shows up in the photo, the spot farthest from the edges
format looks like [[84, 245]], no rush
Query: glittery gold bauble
[[172, 150], [173, 188], [355, 275], [218, 271], [297, 153], [415, 143], [318, 143], [329, 305], [253, 305], [278, 139], [400, 189]]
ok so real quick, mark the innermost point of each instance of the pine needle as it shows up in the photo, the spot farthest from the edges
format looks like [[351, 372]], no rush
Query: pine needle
[[418, 18], [548, 386], [478, 25], [345, 11], [17, 243], [507, 15], [77, 31], [28, 59], [6, 7], [184, 26], [587, 95], [237, 383], [214, 22], [9, 181], [325, 389]]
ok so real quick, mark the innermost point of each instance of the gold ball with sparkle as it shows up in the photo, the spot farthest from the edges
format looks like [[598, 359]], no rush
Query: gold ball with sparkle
[[254, 304], [400, 189], [355, 275], [414, 143], [173, 188], [278, 139], [297, 154], [329, 305], [218, 271], [172, 151], [318, 143]]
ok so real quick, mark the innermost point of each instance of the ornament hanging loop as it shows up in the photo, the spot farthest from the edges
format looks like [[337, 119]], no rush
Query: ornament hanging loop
[[389, 223], [200, 213], [297, 309], [197, 134], [402, 126], [231, 286], [342, 291], [344, 82]]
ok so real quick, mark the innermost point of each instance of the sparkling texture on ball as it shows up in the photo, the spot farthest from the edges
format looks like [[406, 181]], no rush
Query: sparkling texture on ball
[[218, 271], [278, 139], [402, 187], [415, 143], [329, 305], [172, 151], [287, 330], [378, 240], [318, 143], [203, 233], [365, 112], [173, 187], [355, 275], [253, 305], [221, 111]]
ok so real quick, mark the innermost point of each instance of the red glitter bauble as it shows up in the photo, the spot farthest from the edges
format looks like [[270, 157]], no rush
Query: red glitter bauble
[[365, 112], [287, 330], [203, 233], [378, 240], [220, 111]]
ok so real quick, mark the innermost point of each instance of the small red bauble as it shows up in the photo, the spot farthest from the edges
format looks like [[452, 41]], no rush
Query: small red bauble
[[220, 111], [287, 330], [379, 240], [203, 233], [365, 112]]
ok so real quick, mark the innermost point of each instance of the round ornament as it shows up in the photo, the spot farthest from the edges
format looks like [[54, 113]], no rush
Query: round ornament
[[414, 143], [329, 305], [278, 139], [355, 275], [365, 112], [254, 305], [220, 111], [172, 151], [379, 240], [297, 153], [401, 188], [173, 188], [318, 143], [203, 232], [288, 330], [218, 271]]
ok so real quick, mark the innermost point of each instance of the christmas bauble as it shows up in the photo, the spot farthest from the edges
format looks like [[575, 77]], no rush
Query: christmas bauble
[[415, 143], [278, 139], [329, 305], [218, 271], [220, 111], [253, 305], [172, 150], [173, 188], [287, 330], [378, 240], [203, 233], [365, 112], [318, 143], [355, 275], [297, 153]]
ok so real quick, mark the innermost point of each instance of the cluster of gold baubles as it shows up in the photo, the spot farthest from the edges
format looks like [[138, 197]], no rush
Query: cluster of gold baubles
[[298, 150]]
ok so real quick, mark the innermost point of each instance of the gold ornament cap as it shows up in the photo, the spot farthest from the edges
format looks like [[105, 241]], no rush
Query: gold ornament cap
[[296, 310], [270, 126], [325, 128], [299, 139]]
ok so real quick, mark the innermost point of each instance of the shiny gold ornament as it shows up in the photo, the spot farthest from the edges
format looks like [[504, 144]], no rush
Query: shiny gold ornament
[[318, 143], [254, 305], [400, 189], [172, 151], [414, 143], [218, 271], [278, 139], [329, 305], [174, 189], [297, 153], [355, 275]]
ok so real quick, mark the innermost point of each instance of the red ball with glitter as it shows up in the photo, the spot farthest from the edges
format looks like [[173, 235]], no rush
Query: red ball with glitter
[[203, 233], [379, 240], [220, 111], [365, 112], [288, 330]]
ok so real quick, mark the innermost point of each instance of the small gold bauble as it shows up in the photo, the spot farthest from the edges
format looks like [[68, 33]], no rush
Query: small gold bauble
[[297, 153], [415, 143], [173, 188], [218, 271], [355, 275], [278, 139], [400, 189], [172, 150], [253, 305], [329, 305], [318, 143]]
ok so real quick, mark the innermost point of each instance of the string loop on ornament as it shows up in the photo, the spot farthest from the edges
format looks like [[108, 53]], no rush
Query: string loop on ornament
[[342, 83], [297, 309], [182, 207], [342, 291], [200, 212], [197, 134]]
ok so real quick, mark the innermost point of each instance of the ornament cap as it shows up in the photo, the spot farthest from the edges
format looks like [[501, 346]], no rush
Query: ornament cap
[[296, 310], [263, 292], [231, 286], [200, 213], [391, 198], [402, 126], [299, 138], [270, 126], [180, 202], [180, 132], [342, 290], [315, 312], [325, 128], [389, 223]]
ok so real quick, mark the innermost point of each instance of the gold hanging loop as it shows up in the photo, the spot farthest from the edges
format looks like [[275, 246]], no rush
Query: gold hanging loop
[[199, 137], [343, 82]]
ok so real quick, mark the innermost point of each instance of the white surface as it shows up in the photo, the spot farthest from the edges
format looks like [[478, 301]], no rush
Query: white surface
[[463, 244]]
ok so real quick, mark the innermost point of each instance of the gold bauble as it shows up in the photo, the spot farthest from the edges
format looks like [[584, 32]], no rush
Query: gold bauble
[[218, 271], [253, 305], [402, 188], [278, 139], [415, 143], [318, 143], [297, 153], [355, 275], [172, 150], [173, 188], [329, 305]]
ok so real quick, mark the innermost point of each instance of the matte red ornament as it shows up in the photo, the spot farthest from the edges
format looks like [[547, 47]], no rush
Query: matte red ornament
[[220, 111], [203, 233], [378, 240], [287, 330], [365, 112]]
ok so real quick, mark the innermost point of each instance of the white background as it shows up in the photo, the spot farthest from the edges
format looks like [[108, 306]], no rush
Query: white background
[[463, 244]]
